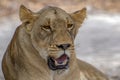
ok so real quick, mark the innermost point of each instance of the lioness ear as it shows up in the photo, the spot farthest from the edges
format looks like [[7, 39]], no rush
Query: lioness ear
[[79, 16], [25, 14]]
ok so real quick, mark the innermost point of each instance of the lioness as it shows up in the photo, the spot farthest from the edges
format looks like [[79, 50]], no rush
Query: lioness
[[42, 48]]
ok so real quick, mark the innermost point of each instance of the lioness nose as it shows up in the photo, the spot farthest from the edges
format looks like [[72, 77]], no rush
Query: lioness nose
[[63, 46]]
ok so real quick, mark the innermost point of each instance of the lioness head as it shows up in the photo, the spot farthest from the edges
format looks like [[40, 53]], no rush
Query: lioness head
[[52, 32]]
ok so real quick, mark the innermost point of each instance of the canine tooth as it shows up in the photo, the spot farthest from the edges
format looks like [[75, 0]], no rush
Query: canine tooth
[[56, 62], [64, 62]]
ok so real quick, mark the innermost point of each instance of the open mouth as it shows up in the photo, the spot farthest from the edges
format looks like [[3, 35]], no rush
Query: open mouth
[[59, 63]]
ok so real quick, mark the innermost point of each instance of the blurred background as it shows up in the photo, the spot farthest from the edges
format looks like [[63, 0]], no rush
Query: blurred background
[[98, 40]]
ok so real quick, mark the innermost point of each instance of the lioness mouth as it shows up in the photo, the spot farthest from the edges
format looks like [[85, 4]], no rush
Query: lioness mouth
[[59, 63]]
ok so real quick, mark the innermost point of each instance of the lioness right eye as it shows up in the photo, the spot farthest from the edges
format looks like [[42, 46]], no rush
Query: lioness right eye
[[46, 27], [70, 26]]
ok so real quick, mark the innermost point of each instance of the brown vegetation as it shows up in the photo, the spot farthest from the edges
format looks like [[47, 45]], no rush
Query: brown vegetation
[[12, 6]]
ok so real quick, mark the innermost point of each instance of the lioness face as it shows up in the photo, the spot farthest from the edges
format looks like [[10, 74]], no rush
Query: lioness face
[[52, 32]]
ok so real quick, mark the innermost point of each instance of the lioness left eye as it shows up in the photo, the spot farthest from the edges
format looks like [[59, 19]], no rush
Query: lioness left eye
[[70, 26]]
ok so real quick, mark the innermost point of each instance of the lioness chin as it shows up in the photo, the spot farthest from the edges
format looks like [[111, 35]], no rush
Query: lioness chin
[[42, 48]]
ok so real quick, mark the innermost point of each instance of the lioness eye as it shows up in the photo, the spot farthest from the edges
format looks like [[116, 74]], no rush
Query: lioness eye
[[70, 26], [46, 27]]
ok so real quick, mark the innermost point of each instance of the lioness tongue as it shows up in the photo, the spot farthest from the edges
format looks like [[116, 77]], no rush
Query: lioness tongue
[[61, 59]]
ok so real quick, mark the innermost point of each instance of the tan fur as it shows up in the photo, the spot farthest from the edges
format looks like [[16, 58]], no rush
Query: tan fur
[[36, 39]]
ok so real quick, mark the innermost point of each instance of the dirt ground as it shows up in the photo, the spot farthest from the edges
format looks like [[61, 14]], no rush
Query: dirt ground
[[97, 42]]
